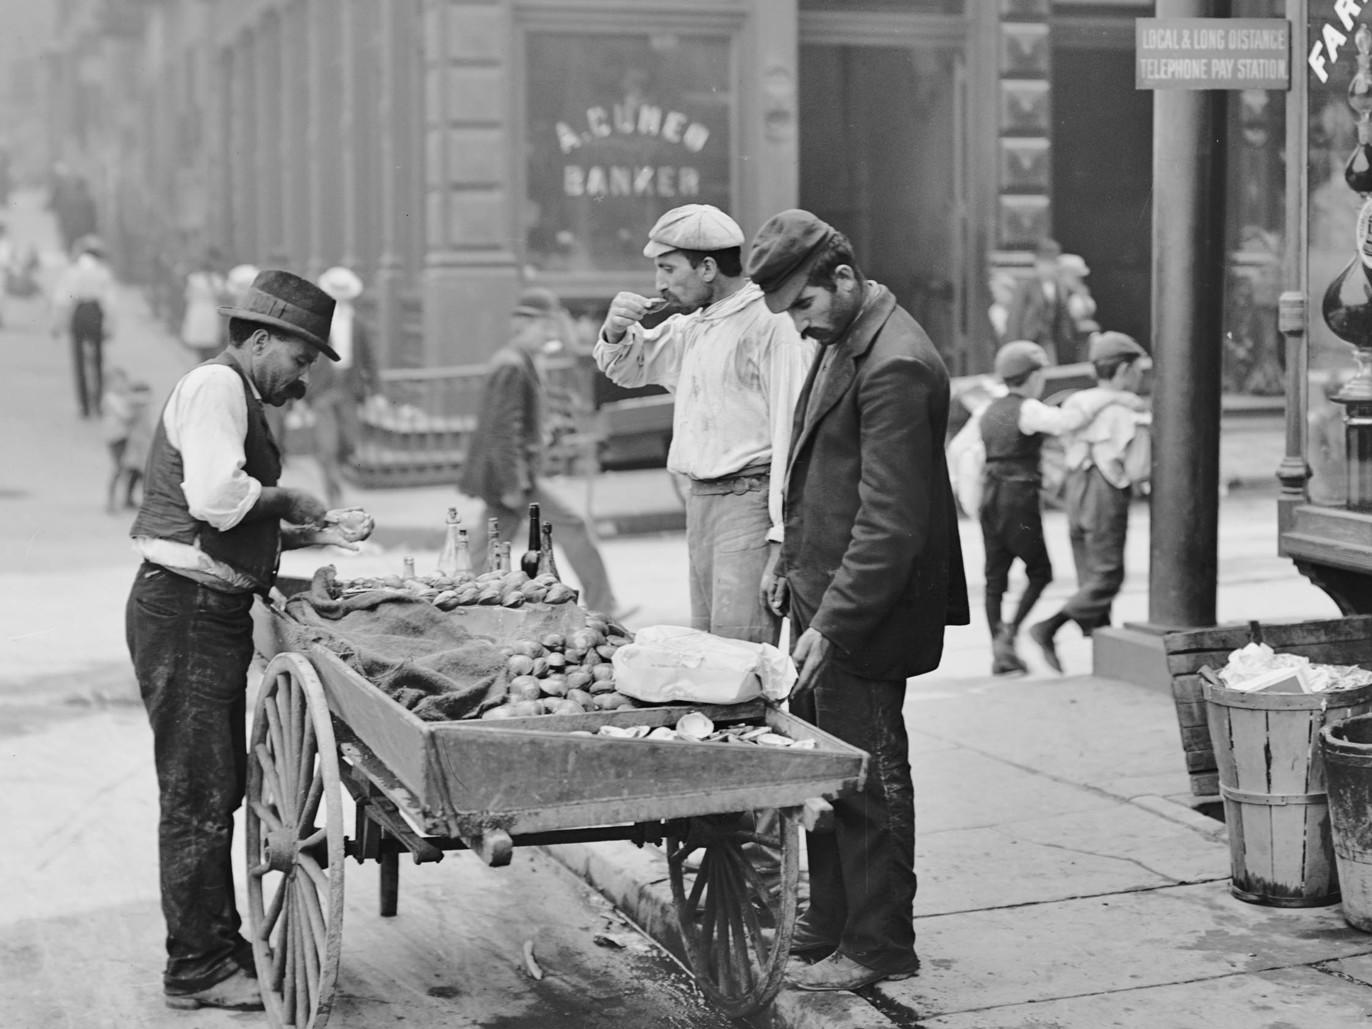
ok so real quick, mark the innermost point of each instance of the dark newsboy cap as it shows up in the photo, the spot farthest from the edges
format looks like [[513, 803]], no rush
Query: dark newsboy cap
[[784, 251], [283, 300]]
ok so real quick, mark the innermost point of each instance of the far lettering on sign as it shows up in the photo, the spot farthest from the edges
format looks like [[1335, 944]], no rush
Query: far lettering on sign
[[1212, 53]]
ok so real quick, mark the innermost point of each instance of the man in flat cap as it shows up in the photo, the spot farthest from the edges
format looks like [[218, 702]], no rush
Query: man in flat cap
[[506, 451], [1105, 459], [735, 369], [210, 530], [870, 572], [1013, 430]]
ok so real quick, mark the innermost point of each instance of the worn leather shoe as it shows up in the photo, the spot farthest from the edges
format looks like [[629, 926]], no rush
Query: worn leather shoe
[[840, 972], [1042, 634], [236, 993], [806, 943]]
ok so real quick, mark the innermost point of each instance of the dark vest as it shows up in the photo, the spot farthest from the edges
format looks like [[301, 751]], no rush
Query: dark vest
[[253, 545], [1009, 452]]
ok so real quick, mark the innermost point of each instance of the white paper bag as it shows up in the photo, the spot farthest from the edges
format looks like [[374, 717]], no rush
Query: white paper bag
[[672, 662]]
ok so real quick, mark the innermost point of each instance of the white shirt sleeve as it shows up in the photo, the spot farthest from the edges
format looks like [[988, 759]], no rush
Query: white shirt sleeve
[[790, 356], [644, 357], [207, 421]]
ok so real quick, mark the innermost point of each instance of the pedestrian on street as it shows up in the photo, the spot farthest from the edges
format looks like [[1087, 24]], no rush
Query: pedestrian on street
[[735, 370], [1013, 430], [127, 422], [338, 390], [210, 530], [505, 455], [1105, 458], [83, 310], [870, 574], [206, 290], [1038, 309]]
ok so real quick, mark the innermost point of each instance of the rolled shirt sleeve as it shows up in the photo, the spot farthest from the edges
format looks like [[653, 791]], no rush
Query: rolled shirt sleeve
[[206, 419], [645, 357]]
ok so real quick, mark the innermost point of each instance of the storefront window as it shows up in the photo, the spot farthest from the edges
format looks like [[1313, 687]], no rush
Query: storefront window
[[619, 129]]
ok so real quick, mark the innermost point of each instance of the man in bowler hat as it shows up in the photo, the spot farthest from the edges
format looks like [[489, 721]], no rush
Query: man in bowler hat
[[870, 574], [210, 530]]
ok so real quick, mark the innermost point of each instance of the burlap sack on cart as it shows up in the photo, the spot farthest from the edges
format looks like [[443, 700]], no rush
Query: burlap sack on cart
[[675, 663], [408, 648]]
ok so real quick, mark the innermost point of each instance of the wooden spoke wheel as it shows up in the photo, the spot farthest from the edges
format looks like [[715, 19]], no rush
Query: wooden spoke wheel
[[736, 916], [295, 863]]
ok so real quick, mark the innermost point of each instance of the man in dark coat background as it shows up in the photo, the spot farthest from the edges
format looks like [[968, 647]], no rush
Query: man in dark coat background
[[505, 455], [1039, 311], [870, 573]]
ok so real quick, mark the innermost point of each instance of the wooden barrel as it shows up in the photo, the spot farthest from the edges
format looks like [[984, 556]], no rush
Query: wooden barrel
[[1347, 749], [1271, 776]]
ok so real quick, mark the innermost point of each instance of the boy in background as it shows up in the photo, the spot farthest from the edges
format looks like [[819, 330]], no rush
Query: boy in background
[[1013, 428], [1105, 458]]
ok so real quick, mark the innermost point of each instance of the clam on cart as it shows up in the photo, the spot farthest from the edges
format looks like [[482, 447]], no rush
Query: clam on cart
[[429, 787]]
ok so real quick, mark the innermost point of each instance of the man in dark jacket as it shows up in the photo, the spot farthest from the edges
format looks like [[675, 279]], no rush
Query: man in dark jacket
[[211, 528], [871, 570], [1039, 311], [506, 451]]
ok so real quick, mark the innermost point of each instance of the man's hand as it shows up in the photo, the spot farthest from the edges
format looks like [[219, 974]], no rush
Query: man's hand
[[774, 590], [328, 536], [352, 524], [811, 654], [625, 309]]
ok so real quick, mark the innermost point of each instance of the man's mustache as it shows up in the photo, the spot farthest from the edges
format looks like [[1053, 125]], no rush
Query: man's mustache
[[296, 390]]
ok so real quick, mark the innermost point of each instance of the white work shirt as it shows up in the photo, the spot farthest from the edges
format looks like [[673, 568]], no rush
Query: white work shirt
[[206, 420], [1102, 440], [736, 370], [1036, 417]]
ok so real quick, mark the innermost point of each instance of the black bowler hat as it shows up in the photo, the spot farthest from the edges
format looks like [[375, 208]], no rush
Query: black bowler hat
[[286, 301]]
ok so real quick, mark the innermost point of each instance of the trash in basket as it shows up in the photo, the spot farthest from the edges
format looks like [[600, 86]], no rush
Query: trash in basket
[[1272, 779]]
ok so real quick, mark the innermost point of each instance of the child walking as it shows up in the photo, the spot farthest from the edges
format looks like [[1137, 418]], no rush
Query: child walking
[[1013, 429], [1105, 458], [128, 435]]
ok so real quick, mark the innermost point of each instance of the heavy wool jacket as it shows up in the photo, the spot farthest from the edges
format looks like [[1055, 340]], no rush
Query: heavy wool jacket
[[872, 553]]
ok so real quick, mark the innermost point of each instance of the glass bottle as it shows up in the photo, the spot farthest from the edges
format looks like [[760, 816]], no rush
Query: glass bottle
[[504, 557], [463, 561], [547, 563], [492, 544], [447, 557], [407, 568], [529, 562]]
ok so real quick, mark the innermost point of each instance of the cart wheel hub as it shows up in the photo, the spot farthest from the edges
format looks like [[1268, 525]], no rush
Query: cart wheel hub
[[278, 850]]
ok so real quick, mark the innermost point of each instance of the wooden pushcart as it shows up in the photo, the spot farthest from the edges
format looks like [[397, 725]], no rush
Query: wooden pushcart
[[426, 788]]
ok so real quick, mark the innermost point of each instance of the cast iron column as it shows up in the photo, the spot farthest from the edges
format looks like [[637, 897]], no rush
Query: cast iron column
[[1188, 299]]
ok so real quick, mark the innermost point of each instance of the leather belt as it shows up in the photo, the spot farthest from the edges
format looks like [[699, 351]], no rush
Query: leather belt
[[745, 482]]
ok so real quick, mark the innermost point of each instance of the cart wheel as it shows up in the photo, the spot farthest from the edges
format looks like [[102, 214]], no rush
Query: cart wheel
[[295, 868], [737, 932]]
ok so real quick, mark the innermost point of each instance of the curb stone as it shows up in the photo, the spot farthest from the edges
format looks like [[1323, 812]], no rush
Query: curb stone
[[635, 880]]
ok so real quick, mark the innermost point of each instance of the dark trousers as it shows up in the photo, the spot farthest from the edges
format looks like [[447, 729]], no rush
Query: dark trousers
[[88, 355], [862, 875], [570, 531], [191, 647], [1012, 527], [1097, 522]]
